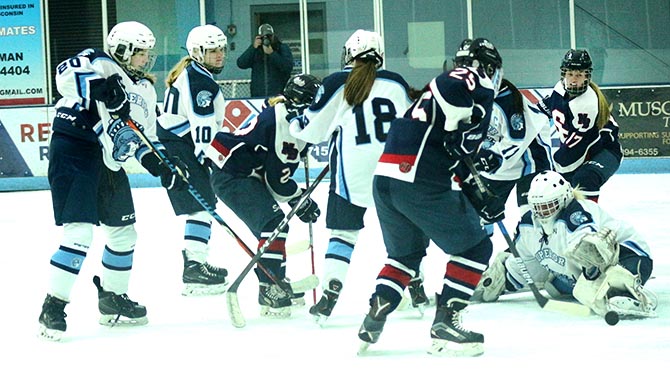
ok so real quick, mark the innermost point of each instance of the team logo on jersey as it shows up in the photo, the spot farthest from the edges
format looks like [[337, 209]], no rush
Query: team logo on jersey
[[547, 254], [517, 122], [204, 99], [125, 140], [405, 167], [578, 217]]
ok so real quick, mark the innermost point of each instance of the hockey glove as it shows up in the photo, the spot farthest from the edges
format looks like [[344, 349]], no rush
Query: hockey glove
[[308, 212], [462, 142], [169, 179], [111, 92], [487, 161], [489, 206]]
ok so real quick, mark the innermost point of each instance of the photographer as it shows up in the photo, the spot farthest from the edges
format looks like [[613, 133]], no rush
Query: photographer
[[270, 61]]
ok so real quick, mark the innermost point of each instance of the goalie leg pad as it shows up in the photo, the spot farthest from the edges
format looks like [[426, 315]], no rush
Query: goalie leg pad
[[492, 283], [616, 290]]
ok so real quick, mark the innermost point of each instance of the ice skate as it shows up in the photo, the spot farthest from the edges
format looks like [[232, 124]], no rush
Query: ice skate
[[418, 295], [373, 324], [449, 337], [202, 278], [118, 309], [274, 301], [322, 310], [52, 319]]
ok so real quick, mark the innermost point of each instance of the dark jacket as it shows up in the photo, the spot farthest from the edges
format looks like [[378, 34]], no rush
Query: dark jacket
[[269, 73]]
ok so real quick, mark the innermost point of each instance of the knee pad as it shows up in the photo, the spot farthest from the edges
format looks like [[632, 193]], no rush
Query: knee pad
[[121, 239], [638, 265], [77, 236]]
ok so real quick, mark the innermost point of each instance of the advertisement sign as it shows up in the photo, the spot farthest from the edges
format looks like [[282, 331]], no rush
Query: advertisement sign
[[22, 61], [643, 115]]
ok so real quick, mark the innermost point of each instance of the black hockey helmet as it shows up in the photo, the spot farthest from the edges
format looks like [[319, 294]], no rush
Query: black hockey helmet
[[300, 90], [479, 52], [576, 60]]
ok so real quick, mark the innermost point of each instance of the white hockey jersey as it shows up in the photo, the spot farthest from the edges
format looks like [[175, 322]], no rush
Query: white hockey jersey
[[545, 254], [118, 141], [194, 104], [357, 134], [524, 142]]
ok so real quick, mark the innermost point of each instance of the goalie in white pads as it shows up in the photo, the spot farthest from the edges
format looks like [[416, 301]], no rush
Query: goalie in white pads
[[575, 249]]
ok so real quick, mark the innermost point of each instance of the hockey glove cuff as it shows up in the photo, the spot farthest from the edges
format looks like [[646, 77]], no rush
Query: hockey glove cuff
[[308, 212]]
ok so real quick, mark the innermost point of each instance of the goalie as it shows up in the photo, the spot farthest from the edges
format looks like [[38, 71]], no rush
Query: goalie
[[573, 248]]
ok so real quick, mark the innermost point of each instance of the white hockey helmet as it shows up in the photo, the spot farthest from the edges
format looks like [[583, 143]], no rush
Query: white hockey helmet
[[125, 39], [364, 45], [206, 37], [549, 193]]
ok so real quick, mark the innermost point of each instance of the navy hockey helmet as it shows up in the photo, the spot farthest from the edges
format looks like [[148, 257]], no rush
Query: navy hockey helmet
[[300, 90], [576, 60], [480, 53]]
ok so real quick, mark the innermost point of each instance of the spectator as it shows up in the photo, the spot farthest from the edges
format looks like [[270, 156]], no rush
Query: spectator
[[270, 62]]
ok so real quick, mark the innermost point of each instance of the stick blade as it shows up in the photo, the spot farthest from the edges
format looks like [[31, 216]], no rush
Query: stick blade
[[234, 311], [570, 308]]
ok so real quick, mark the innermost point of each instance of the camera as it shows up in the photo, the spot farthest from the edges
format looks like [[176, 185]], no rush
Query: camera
[[266, 40]]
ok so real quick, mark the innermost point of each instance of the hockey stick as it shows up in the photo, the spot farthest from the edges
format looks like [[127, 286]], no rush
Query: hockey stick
[[311, 231], [544, 302], [194, 192], [232, 301]]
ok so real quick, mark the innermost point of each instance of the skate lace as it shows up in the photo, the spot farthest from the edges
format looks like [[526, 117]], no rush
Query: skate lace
[[124, 303], [55, 310], [274, 292], [457, 320], [212, 269]]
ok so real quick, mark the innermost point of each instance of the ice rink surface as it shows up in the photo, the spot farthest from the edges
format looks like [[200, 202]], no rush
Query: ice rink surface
[[192, 338]]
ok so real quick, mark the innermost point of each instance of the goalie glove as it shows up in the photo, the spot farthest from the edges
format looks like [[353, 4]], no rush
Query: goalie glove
[[596, 252]]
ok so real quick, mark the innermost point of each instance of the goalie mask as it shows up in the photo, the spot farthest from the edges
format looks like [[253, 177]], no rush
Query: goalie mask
[[299, 92], [580, 66], [549, 193], [480, 53], [203, 38], [127, 39], [364, 45]]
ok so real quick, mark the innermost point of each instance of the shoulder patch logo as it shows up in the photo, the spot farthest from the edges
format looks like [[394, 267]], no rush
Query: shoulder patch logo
[[204, 99], [578, 217], [517, 122]]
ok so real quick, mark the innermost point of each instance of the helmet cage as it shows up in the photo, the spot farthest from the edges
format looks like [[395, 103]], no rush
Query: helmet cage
[[549, 193], [579, 60]]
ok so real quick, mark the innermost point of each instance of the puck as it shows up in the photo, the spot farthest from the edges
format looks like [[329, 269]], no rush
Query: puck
[[612, 318]]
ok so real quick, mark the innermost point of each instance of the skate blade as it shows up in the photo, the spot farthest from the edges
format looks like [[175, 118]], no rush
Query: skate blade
[[115, 320], [442, 347], [298, 303], [280, 313], [196, 290], [50, 335], [363, 348]]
